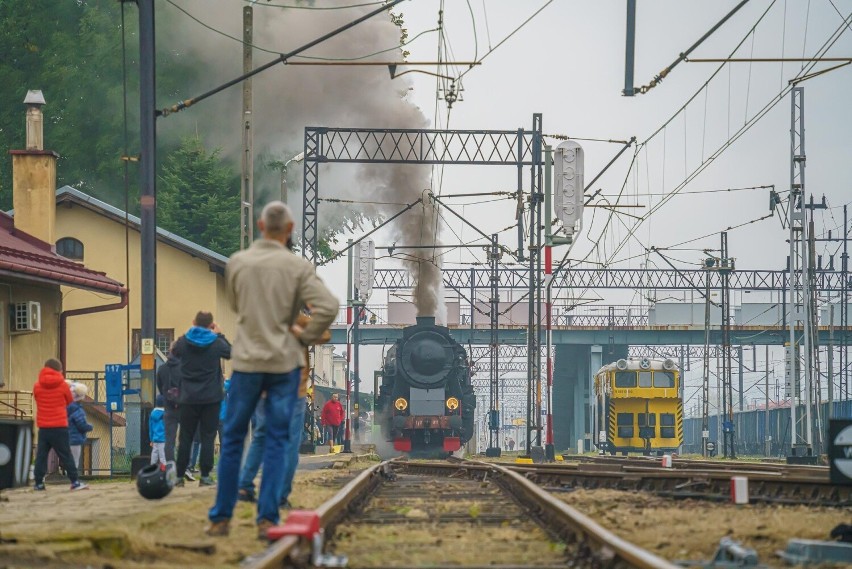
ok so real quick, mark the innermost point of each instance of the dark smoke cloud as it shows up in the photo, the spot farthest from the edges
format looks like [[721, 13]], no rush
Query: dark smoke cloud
[[288, 98]]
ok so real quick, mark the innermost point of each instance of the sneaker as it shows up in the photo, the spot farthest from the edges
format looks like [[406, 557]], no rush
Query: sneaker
[[39, 486], [206, 481], [219, 529], [189, 476], [245, 495], [179, 483], [79, 486], [262, 527], [193, 469]]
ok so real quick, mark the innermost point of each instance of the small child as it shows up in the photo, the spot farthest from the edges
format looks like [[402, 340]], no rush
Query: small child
[[77, 424], [52, 396], [157, 432]]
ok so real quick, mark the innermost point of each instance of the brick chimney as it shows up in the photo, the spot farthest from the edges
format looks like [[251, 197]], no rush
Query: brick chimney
[[34, 177]]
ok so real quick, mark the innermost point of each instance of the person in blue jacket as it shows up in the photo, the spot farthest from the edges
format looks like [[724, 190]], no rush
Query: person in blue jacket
[[157, 431], [77, 424]]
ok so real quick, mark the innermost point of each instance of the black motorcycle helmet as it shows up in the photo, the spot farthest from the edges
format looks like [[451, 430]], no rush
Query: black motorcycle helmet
[[155, 481]]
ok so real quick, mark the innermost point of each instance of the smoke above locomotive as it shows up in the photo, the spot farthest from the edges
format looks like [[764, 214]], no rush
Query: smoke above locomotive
[[426, 401], [287, 99]]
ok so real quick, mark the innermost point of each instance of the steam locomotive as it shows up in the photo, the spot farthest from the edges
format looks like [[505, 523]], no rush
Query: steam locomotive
[[426, 401]]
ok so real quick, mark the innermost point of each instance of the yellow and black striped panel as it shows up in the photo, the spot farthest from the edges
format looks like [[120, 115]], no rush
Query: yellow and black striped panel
[[612, 427], [679, 423]]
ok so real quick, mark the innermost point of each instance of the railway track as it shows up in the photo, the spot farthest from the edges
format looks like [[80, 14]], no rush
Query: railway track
[[768, 483], [462, 514]]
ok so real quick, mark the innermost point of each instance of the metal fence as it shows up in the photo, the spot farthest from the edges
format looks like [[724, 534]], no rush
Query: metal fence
[[110, 444], [750, 429]]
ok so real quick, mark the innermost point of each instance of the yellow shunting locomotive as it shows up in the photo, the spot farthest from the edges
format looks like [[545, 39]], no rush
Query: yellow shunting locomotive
[[638, 407]]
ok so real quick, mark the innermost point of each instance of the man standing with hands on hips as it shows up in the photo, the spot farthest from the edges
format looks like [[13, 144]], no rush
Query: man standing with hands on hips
[[267, 286]]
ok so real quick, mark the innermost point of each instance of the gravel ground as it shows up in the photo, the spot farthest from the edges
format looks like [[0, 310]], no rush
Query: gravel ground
[[691, 529], [110, 525]]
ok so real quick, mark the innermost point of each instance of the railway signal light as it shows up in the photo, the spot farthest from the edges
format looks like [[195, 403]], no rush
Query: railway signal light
[[568, 184]]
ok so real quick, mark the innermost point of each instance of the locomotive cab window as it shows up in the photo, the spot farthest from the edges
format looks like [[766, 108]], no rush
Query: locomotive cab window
[[625, 425], [645, 379], [664, 379], [625, 379], [667, 425]]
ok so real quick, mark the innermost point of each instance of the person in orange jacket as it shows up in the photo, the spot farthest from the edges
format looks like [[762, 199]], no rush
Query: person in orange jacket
[[52, 396]]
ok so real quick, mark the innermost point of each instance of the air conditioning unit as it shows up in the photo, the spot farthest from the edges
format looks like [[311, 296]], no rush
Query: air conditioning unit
[[26, 317]]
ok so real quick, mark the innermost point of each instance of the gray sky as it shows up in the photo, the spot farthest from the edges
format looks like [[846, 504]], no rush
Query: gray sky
[[568, 64]]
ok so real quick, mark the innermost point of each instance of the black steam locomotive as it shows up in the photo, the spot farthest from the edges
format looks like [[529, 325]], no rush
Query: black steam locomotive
[[426, 401]]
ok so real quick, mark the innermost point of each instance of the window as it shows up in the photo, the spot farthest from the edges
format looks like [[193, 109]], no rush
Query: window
[[645, 379], [625, 379], [647, 425], [664, 379], [165, 337], [667, 425], [625, 425], [70, 248]]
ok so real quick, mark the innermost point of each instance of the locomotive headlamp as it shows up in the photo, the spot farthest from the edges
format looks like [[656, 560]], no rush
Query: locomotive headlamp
[[452, 403], [401, 404]]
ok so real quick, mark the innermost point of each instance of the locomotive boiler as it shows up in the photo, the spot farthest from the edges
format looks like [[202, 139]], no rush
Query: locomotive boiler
[[426, 401]]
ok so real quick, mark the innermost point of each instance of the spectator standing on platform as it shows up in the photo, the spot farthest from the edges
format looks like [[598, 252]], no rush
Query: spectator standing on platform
[[168, 384], [332, 417], [157, 432], [267, 285], [201, 391], [77, 424], [52, 397]]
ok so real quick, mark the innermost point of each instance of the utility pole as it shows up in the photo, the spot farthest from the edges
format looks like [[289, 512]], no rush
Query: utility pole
[[494, 418], [767, 439], [843, 390], [247, 179], [726, 265], [148, 210], [534, 324], [800, 305], [705, 385], [830, 355], [350, 301]]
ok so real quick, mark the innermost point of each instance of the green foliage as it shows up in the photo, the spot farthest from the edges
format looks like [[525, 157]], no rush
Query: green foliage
[[198, 197]]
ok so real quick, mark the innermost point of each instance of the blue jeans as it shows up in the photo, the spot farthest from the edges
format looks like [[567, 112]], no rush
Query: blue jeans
[[254, 458], [282, 391], [291, 458]]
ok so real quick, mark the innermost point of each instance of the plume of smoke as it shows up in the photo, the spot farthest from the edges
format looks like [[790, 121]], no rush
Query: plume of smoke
[[286, 99]]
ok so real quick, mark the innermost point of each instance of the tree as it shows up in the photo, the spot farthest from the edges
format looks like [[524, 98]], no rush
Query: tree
[[199, 197]]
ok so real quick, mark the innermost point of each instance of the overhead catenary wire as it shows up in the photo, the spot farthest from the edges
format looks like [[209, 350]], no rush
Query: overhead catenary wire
[[737, 134], [282, 58]]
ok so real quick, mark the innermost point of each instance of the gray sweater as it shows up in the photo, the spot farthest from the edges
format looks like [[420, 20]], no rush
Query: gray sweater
[[267, 285]]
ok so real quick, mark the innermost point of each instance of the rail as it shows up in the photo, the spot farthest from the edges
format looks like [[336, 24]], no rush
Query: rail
[[16, 404], [588, 539]]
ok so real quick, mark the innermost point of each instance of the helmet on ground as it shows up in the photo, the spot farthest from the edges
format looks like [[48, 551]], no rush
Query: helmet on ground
[[155, 481]]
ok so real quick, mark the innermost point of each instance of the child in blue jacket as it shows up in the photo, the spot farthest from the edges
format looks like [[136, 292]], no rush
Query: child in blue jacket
[[77, 424], [157, 432]]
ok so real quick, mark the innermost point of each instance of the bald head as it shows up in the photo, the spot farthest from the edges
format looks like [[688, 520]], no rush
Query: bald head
[[276, 221]]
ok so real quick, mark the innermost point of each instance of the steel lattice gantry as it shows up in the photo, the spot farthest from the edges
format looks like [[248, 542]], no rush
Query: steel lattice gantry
[[756, 280], [328, 145]]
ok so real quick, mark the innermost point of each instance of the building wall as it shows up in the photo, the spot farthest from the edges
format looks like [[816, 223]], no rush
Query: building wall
[[185, 285], [23, 355]]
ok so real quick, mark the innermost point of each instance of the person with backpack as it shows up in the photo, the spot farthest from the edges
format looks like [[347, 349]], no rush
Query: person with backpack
[[168, 384], [201, 350]]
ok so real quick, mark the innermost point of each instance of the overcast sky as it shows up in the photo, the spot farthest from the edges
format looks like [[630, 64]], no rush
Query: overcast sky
[[568, 63]]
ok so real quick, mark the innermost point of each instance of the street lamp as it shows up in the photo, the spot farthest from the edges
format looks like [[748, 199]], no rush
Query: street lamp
[[297, 158]]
